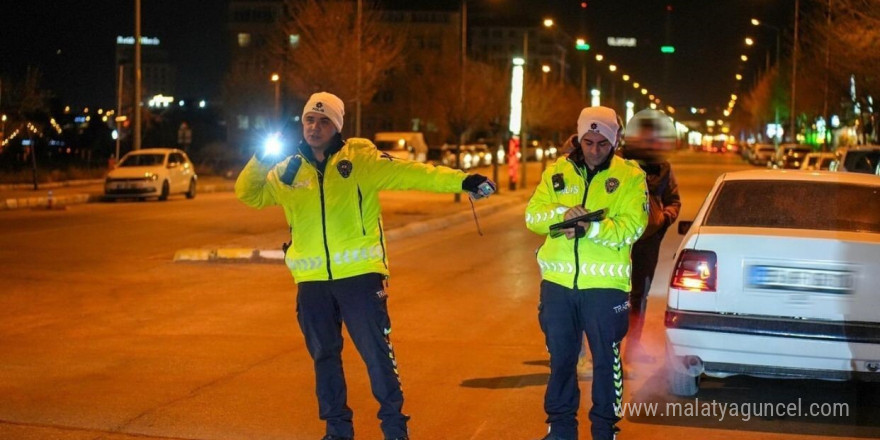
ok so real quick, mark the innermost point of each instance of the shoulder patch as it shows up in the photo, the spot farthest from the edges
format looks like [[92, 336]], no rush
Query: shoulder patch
[[611, 185]]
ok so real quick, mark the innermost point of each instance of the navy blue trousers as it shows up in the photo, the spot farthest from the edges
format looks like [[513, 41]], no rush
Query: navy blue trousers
[[565, 315], [361, 303]]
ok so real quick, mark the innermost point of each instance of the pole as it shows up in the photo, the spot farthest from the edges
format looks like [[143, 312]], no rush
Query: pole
[[33, 157], [826, 137], [357, 123], [278, 100], [119, 109], [136, 110], [523, 141], [463, 65], [583, 79], [793, 119], [777, 138]]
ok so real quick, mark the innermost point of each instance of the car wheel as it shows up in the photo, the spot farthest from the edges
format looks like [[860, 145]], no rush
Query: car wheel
[[682, 384], [165, 190], [191, 193]]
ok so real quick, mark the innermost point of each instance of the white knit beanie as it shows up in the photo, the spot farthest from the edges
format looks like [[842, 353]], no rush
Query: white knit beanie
[[328, 105], [602, 120]]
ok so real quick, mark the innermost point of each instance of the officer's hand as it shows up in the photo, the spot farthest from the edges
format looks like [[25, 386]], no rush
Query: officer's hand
[[271, 152], [579, 230], [478, 186]]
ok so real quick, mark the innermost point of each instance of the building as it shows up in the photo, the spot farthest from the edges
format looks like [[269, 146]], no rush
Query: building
[[158, 75], [249, 93]]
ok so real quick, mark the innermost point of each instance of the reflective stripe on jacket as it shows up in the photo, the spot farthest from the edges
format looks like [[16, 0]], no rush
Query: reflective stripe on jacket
[[602, 258], [335, 218]]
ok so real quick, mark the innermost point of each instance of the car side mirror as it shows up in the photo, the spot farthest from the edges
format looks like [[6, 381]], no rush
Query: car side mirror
[[683, 227]]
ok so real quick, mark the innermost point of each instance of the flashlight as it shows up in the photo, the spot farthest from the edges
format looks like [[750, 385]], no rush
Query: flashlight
[[272, 146]]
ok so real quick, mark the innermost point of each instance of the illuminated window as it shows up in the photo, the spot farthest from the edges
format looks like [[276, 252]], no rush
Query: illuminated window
[[243, 122], [244, 39]]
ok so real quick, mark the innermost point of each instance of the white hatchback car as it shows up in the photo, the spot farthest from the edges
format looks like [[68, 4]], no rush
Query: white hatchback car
[[152, 172], [778, 276]]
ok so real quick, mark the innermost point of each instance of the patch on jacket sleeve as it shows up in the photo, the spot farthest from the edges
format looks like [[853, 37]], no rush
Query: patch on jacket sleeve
[[611, 185], [344, 167]]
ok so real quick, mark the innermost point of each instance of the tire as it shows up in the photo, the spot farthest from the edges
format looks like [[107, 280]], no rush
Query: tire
[[191, 192], [682, 384], [166, 189]]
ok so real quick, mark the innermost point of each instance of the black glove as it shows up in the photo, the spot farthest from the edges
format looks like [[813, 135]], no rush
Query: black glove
[[478, 186]]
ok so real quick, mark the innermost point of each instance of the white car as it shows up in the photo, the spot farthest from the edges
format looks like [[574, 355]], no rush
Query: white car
[[152, 172], [778, 276]]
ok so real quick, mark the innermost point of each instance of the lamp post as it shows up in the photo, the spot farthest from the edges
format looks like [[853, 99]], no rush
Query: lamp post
[[277, 80], [756, 22], [523, 141], [545, 69], [138, 78]]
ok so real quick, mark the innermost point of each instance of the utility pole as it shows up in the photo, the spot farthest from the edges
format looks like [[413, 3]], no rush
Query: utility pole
[[463, 65], [119, 110], [794, 55], [136, 109], [523, 141], [360, 38]]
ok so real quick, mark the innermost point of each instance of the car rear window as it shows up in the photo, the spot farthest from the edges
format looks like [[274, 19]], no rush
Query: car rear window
[[826, 206]]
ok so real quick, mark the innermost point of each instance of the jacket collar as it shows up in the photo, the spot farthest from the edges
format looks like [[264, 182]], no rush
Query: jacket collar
[[305, 151]]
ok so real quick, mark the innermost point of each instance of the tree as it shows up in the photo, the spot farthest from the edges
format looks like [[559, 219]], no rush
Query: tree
[[324, 57]]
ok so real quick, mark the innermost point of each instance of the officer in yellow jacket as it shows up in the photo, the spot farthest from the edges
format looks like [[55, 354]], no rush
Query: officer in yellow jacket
[[586, 271], [329, 191]]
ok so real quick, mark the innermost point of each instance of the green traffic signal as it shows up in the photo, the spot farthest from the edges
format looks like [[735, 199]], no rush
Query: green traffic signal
[[667, 49]]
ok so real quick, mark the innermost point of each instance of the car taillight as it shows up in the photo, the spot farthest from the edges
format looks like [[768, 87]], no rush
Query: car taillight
[[695, 271]]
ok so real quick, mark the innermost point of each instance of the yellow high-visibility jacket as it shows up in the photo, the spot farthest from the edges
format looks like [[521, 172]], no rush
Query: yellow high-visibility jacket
[[601, 259], [335, 218]]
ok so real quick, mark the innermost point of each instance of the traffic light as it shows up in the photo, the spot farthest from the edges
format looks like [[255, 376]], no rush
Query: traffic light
[[582, 44], [667, 49]]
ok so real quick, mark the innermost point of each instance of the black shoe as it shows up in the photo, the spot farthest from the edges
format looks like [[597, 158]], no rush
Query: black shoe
[[335, 437]]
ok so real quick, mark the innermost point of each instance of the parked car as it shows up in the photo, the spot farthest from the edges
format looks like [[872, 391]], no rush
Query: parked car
[[777, 276], [152, 172], [818, 161], [403, 145], [761, 154], [469, 156], [861, 159], [790, 156]]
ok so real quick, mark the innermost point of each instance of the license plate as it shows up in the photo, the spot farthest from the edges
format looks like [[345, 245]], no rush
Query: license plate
[[795, 278]]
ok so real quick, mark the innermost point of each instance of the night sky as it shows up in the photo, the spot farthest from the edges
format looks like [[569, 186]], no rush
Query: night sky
[[73, 42]]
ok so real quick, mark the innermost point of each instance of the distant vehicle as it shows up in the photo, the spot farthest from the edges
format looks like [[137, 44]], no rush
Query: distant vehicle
[[152, 172], [777, 276], [409, 145], [818, 161], [469, 156], [790, 156], [861, 159], [761, 154]]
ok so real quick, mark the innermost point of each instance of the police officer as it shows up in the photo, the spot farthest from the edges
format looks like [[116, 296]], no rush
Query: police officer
[[586, 272], [329, 192]]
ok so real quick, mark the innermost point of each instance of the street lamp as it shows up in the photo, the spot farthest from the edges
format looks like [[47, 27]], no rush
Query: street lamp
[[756, 22], [749, 41], [277, 80]]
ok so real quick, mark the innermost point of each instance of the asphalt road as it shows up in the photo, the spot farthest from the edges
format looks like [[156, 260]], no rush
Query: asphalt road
[[102, 336]]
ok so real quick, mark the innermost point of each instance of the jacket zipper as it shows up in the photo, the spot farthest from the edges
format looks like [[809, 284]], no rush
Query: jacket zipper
[[577, 263], [361, 210], [324, 223]]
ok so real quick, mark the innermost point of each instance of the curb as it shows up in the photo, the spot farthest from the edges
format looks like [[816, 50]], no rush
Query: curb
[[74, 199], [250, 255]]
